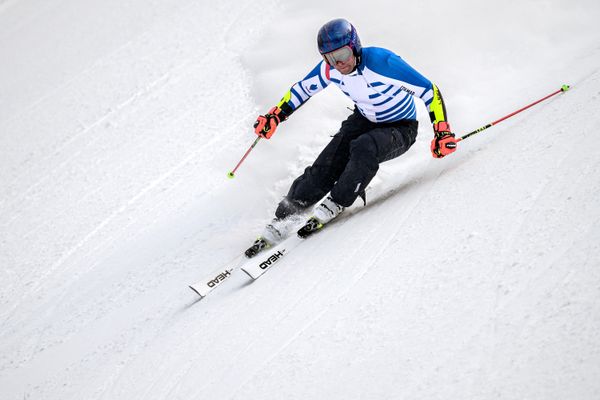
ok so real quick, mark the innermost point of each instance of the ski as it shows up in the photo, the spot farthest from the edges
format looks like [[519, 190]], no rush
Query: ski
[[206, 285], [266, 259], [257, 265]]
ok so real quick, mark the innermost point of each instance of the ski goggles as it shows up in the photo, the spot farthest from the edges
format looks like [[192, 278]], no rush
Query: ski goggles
[[342, 54]]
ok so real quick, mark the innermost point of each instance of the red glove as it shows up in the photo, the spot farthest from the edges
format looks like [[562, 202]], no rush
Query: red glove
[[266, 125], [444, 142]]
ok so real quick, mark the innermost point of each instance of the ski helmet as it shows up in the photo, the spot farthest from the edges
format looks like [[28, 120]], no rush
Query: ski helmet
[[338, 33]]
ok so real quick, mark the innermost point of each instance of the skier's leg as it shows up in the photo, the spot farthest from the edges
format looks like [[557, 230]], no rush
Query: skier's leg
[[318, 179], [360, 169], [396, 142], [366, 153]]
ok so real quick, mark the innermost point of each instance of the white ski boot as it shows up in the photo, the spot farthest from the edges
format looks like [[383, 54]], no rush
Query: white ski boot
[[324, 212], [273, 234], [327, 210]]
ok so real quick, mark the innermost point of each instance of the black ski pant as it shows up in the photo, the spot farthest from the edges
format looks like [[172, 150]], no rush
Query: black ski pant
[[349, 162]]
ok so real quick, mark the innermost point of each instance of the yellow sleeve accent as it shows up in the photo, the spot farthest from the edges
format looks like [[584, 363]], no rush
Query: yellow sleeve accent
[[437, 109], [285, 99], [285, 106]]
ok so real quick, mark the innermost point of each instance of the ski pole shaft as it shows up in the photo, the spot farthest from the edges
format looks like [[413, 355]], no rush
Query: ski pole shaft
[[231, 174], [564, 88]]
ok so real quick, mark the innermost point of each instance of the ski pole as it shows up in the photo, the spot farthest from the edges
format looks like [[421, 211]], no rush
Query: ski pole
[[231, 174], [564, 88]]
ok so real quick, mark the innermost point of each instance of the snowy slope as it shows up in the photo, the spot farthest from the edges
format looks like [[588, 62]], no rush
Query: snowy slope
[[475, 276]]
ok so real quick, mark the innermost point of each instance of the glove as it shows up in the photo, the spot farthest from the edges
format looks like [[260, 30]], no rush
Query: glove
[[266, 125], [444, 142]]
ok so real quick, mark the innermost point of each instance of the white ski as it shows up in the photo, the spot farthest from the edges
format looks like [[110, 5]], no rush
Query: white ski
[[263, 261], [204, 286], [254, 267]]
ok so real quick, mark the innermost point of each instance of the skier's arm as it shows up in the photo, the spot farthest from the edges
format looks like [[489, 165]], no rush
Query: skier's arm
[[296, 96], [443, 142], [393, 69]]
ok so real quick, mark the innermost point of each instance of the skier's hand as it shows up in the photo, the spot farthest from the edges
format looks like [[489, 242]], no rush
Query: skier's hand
[[266, 125], [444, 141]]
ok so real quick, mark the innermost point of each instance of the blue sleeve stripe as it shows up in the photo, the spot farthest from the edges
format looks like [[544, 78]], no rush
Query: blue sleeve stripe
[[374, 96], [427, 97], [297, 95], [375, 84], [296, 101], [313, 83], [303, 91], [323, 83]]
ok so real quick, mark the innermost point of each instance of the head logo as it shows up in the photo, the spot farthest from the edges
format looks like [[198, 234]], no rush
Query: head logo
[[219, 278], [271, 260]]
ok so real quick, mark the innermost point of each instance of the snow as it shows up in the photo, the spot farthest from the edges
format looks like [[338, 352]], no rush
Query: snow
[[475, 276]]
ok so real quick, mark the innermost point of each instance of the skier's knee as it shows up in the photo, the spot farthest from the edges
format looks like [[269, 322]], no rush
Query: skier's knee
[[365, 149]]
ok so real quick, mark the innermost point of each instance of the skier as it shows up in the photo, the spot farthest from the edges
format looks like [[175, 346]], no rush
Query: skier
[[382, 126]]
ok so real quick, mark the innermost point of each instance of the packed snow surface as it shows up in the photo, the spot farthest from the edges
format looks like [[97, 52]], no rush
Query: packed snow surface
[[472, 277]]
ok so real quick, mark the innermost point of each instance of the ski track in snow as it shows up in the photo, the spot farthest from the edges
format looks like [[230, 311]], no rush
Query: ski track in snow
[[346, 288], [118, 213], [63, 164], [470, 277]]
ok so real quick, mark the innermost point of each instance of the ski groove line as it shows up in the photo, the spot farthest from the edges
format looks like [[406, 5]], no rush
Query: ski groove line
[[114, 112], [107, 220]]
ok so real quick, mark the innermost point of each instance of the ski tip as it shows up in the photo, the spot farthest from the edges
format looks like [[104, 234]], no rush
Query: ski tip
[[565, 88], [196, 291]]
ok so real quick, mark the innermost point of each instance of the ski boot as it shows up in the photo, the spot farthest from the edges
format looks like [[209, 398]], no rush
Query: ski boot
[[270, 237], [325, 212]]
